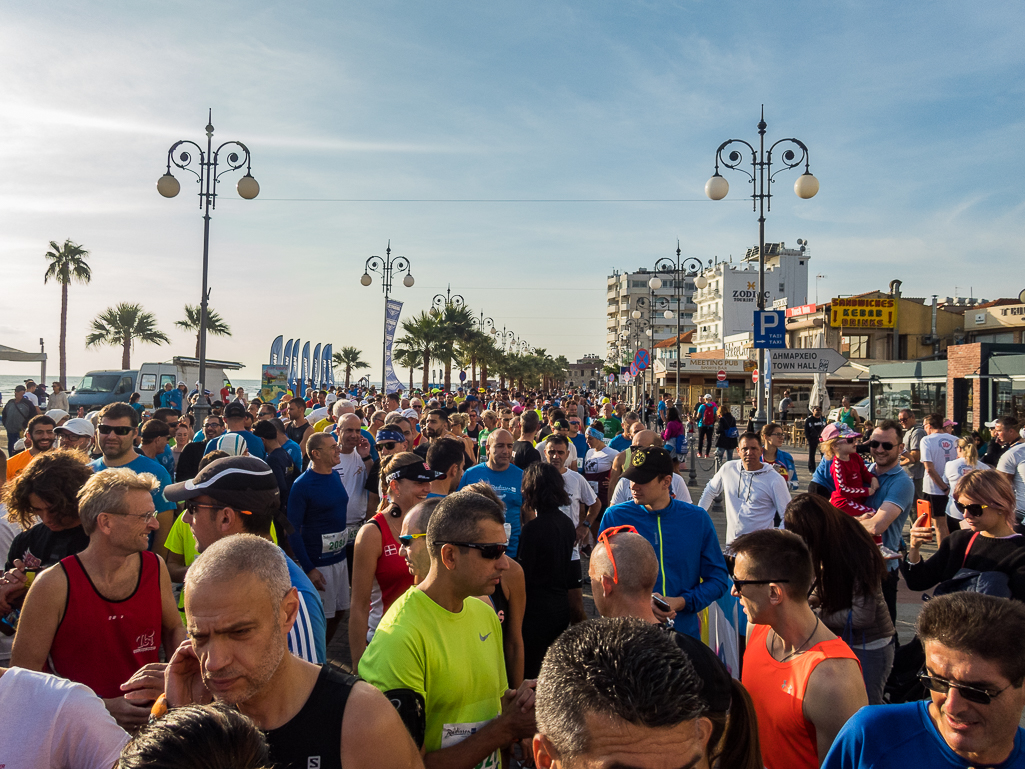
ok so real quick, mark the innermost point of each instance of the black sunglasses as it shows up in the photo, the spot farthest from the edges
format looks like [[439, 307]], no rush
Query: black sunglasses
[[386, 445], [108, 429], [970, 693], [973, 509], [886, 445], [739, 583], [490, 550]]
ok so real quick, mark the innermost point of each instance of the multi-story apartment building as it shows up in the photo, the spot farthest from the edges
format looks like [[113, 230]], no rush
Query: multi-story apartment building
[[726, 305], [629, 292]]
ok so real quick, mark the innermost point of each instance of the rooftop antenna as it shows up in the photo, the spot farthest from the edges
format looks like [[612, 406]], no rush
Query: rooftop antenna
[[817, 286]]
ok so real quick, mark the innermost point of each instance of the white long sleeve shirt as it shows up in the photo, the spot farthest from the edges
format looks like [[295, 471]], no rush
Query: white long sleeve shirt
[[753, 497]]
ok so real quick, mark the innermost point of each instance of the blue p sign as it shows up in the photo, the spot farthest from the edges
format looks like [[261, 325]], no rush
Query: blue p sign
[[770, 329]]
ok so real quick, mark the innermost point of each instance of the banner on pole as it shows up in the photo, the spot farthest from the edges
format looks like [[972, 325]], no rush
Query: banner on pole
[[327, 366], [315, 365], [392, 310], [275, 351], [273, 383], [304, 374], [292, 361]]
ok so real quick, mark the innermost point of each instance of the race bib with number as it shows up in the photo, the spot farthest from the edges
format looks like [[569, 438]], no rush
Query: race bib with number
[[453, 734]]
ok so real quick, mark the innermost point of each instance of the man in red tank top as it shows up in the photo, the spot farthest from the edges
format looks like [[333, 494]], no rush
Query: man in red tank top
[[98, 617], [804, 681]]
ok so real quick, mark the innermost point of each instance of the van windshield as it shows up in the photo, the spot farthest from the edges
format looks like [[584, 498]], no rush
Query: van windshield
[[98, 383]]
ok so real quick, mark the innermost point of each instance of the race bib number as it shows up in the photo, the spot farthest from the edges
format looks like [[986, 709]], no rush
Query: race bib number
[[330, 544], [453, 734], [594, 487]]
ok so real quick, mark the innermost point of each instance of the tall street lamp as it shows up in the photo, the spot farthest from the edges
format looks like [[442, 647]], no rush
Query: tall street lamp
[[761, 177], [680, 269], [441, 301], [483, 325], [386, 268], [206, 174]]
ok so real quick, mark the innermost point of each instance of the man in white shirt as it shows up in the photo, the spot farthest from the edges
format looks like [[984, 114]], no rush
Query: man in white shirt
[[756, 495], [1012, 461], [938, 447], [353, 468]]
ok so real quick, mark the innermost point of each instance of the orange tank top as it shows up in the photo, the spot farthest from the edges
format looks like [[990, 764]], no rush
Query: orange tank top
[[777, 688]]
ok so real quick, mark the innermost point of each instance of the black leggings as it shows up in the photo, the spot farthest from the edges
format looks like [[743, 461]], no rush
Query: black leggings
[[705, 431]]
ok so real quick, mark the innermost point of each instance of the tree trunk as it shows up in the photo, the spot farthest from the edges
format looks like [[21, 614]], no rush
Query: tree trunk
[[64, 337], [348, 373], [411, 379], [427, 372], [126, 352], [448, 375], [197, 349], [473, 371]]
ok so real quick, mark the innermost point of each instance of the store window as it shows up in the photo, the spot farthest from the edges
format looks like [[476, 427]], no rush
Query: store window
[[855, 347], [1009, 400], [922, 398]]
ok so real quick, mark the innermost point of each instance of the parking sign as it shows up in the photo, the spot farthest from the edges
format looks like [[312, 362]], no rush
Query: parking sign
[[770, 329]]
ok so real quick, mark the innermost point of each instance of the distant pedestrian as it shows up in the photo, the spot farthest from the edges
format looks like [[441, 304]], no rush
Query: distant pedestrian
[[784, 407]]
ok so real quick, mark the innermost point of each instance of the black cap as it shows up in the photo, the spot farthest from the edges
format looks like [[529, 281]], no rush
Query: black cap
[[240, 482], [414, 472], [716, 687], [235, 409], [646, 464]]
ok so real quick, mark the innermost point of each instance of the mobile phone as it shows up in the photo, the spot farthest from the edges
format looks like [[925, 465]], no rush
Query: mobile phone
[[924, 507], [659, 603]]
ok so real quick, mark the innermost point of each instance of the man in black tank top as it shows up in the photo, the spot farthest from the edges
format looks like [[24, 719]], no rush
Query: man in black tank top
[[240, 606]]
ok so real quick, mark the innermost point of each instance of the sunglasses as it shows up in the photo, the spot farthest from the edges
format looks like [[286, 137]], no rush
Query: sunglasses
[[108, 429], [386, 445], [740, 583], [973, 510], [850, 440], [407, 539], [603, 539], [490, 550], [885, 445], [970, 693]]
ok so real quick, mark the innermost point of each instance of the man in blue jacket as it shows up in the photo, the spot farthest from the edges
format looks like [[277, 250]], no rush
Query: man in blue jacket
[[692, 570]]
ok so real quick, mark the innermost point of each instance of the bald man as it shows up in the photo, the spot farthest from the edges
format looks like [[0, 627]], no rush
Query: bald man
[[640, 436], [505, 478], [636, 571]]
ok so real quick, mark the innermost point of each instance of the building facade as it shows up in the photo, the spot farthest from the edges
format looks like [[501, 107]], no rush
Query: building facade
[[629, 292], [726, 306], [586, 373]]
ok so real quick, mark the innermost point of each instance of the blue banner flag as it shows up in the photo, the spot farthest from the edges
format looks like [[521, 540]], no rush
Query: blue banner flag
[[275, 351], [392, 309]]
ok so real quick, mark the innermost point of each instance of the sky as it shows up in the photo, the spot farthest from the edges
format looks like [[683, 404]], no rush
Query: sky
[[519, 152]]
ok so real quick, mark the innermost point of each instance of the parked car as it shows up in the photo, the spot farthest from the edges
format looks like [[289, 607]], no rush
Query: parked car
[[861, 408], [98, 388]]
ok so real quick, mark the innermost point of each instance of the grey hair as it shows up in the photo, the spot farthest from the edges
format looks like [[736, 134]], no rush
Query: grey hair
[[338, 405], [105, 492], [241, 554], [618, 668]]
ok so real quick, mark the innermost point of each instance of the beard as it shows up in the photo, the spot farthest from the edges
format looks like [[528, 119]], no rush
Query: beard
[[249, 682]]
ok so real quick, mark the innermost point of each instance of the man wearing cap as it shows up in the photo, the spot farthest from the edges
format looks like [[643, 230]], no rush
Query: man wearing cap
[[59, 416], [504, 477], [938, 448], [39, 439], [235, 420], [239, 495], [318, 510], [75, 434], [691, 569], [15, 416], [390, 441], [756, 495]]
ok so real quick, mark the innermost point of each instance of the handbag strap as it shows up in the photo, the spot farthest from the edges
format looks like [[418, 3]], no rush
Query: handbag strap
[[968, 549]]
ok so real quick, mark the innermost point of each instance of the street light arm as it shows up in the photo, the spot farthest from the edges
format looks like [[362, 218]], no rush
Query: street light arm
[[790, 158], [184, 160], [234, 160], [734, 159]]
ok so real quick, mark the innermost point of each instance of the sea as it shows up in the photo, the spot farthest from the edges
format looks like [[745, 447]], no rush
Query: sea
[[9, 381]]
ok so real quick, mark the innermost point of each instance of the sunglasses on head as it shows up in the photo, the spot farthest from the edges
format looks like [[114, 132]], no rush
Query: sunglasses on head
[[120, 430], [885, 445], [973, 509], [603, 539], [490, 550], [407, 539], [970, 693]]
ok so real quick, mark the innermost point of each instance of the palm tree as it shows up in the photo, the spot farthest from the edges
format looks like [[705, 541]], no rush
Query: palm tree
[[214, 323], [122, 325], [351, 358], [423, 338], [67, 264], [408, 359], [456, 325]]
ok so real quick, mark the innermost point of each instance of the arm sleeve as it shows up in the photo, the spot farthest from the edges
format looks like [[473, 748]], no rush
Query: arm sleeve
[[930, 572], [712, 489], [587, 495], [296, 516], [781, 493], [713, 582]]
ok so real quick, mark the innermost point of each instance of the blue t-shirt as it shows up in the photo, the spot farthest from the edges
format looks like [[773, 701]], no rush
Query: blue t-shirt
[[690, 560], [508, 484], [255, 444], [619, 443], [308, 637], [143, 464], [580, 444], [895, 486], [317, 506], [824, 475], [171, 399], [293, 450], [785, 461], [166, 461], [899, 736]]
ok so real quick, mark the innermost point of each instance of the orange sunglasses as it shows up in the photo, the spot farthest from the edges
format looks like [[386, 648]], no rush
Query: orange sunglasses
[[603, 538]]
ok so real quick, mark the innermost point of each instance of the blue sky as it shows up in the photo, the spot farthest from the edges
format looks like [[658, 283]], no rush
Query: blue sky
[[913, 114]]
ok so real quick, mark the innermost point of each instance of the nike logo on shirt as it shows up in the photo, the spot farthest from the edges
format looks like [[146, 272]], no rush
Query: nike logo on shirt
[[484, 637]]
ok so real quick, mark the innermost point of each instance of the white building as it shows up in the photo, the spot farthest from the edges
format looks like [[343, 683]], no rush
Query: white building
[[628, 293], [726, 306]]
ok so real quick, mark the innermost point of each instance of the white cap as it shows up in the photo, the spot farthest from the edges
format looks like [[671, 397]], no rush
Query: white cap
[[410, 414], [57, 414], [79, 427], [233, 444]]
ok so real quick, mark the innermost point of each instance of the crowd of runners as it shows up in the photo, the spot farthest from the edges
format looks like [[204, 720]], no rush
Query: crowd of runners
[[172, 587]]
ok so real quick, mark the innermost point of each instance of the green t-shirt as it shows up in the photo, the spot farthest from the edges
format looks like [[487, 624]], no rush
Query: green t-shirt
[[482, 438], [613, 426], [454, 661]]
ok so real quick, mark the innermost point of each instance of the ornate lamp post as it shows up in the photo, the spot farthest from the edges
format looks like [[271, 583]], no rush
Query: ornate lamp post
[[762, 177], [386, 268], [680, 269], [206, 174], [440, 302], [484, 325]]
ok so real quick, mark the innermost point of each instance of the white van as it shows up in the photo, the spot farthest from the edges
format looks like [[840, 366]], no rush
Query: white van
[[153, 376]]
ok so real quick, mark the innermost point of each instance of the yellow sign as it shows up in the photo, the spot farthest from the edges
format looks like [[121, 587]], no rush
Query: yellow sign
[[863, 313]]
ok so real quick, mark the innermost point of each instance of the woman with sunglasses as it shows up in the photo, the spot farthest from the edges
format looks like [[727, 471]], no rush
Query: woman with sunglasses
[[967, 461], [545, 553], [379, 572], [773, 454], [990, 541], [848, 590]]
